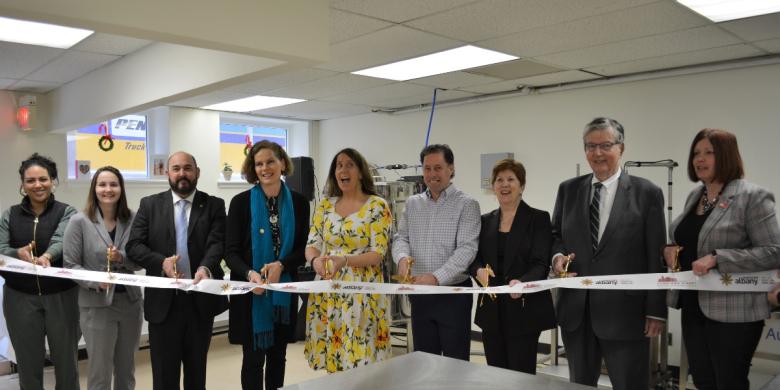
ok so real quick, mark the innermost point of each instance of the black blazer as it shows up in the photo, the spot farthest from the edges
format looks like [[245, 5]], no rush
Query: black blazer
[[153, 238], [238, 255], [526, 258], [631, 244]]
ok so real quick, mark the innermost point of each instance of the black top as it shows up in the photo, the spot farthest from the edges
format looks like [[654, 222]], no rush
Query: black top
[[23, 227], [238, 256], [687, 236], [500, 249], [272, 204]]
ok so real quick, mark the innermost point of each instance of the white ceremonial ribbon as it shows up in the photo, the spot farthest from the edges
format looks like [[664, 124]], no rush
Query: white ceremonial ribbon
[[713, 281]]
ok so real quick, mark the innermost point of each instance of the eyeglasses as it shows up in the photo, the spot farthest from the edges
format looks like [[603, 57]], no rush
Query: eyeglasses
[[605, 147]]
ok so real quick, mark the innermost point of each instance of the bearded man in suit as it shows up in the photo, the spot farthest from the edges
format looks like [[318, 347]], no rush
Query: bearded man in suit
[[180, 234]]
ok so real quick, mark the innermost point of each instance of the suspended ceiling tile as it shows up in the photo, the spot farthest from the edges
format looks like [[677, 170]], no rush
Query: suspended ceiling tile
[[454, 80], [516, 69], [557, 78], [770, 45], [339, 84], [756, 28], [260, 86], [534, 81], [397, 11], [501, 86], [630, 23], [34, 86], [384, 46], [5, 83], [345, 25], [374, 96], [316, 110], [678, 60], [110, 44], [18, 60], [70, 66], [494, 18], [635, 49], [441, 96], [208, 99]]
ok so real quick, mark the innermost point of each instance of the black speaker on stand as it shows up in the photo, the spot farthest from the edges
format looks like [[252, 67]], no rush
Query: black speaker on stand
[[302, 179]]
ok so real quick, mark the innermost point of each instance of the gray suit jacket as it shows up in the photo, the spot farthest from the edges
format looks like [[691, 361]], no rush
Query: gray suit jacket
[[631, 244], [744, 232], [84, 247]]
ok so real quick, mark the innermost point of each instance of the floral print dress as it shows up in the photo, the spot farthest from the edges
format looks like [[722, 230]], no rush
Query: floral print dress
[[349, 330]]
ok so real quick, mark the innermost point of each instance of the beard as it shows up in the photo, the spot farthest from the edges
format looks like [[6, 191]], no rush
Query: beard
[[183, 186]]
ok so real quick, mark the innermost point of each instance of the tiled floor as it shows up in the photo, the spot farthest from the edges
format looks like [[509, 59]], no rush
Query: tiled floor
[[224, 367]]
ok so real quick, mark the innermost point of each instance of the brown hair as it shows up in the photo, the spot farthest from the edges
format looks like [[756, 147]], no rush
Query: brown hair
[[122, 211], [728, 162], [509, 164], [248, 168], [366, 181]]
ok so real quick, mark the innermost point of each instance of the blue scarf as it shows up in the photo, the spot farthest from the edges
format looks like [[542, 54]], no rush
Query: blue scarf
[[273, 306]]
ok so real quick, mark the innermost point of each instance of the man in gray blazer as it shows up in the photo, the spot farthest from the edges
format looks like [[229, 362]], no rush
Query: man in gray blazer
[[608, 223]]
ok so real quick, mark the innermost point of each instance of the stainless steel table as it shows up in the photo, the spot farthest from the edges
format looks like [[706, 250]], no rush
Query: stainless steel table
[[419, 370]]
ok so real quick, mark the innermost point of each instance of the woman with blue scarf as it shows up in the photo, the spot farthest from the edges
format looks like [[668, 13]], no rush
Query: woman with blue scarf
[[267, 228]]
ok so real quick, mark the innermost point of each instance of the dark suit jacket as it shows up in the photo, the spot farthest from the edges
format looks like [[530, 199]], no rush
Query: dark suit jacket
[[631, 244], [238, 255], [153, 238], [526, 258]]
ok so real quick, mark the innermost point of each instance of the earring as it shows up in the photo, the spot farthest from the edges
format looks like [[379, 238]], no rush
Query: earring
[[53, 188], [21, 191]]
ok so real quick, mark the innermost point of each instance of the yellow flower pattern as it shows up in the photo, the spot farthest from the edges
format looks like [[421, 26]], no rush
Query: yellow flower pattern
[[349, 330]]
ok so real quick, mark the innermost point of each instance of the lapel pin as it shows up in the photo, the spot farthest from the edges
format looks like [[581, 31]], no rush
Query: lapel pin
[[262, 231]]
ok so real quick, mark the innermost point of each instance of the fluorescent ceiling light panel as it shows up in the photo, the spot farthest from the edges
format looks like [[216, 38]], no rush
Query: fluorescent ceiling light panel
[[252, 103], [723, 10], [41, 34], [460, 58]]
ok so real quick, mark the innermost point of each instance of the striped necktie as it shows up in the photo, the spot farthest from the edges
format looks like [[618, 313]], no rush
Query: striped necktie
[[595, 206]]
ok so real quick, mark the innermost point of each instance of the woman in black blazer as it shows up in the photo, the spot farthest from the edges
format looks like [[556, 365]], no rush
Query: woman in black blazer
[[266, 233], [514, 247]]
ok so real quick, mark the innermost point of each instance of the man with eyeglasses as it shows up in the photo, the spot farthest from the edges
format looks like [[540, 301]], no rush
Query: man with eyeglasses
[[180, 234], [608, 223]]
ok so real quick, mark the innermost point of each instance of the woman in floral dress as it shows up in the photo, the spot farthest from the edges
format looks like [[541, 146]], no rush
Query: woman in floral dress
[[348, 239]]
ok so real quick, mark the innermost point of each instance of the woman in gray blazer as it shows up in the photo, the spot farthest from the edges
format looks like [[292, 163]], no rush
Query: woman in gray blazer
[[111, 314], [729, 225]]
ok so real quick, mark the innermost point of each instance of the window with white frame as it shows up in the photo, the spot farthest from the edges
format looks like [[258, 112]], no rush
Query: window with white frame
[[119, 142], [236, 136]]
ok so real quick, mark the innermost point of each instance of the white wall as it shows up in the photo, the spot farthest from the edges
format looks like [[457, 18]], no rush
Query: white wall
[[544, 131], [191, 130]]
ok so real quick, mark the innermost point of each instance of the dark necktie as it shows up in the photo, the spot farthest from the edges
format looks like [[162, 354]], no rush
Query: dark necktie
[[595, 206]]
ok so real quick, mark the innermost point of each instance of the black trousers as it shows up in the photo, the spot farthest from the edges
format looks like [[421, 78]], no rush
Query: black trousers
[[183, 339], [628, 361], [719, 353], [441, 324], [274, 358]]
